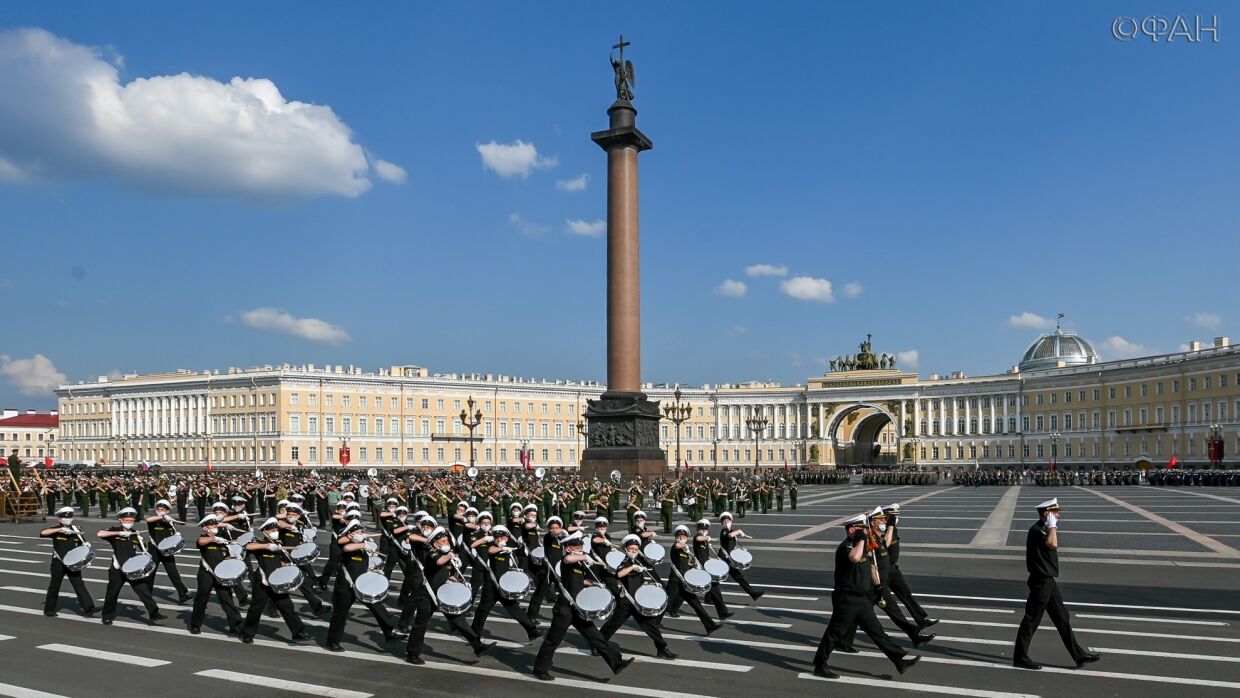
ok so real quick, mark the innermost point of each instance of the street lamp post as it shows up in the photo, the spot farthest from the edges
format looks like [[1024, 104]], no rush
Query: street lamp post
[[583, 432], [122, 441], [757, 425], [678, 412], [470, 419], [1054, 449]]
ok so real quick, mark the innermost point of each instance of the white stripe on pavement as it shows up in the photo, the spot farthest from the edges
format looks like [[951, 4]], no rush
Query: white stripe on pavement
[[919, 687], [267, 681], [1169, 655], [682, 663], [8, 690], [1196, 537], [22, 560], [806, 532], [760, 623], [994, 532], [7, 637], [1097, 631], [1144, 619], [133, 659]]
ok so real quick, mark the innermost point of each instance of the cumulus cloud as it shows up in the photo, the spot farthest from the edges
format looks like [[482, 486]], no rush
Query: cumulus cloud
[[574, 184], [1210, 321], [907, 359], [526, 227], [852, 289], [66, 115], [808, 288], [766, 270], [731, 289], [1030, 321], [313, 329], [34, 376], [592, 229], [515, 159], [1119, 348]]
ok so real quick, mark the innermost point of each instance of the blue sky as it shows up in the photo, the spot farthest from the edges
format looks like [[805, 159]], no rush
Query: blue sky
[[961, 163]]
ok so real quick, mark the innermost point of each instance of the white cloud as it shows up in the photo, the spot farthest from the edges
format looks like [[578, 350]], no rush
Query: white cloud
[[1030, 321], [808, 288], [1184, 347], [907, 359], [797, 361], [515, 159], [852, 289], [313, 329], [575, 184], [1119, 348], [67, 116], [1210, 321], [526, 227], [390, 171], [34, 376], [731, 289], [736, 330], [590, 228], [766, 270]]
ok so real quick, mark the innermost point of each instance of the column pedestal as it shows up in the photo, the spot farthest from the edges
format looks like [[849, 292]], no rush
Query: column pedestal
[[624, 436]]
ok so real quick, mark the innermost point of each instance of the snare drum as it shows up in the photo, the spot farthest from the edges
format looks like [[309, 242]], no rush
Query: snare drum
[[309, 534], [171, 545], [79, 558], [230, 572], [516, 585], [374, 562], [654, 552], [454, 598], [538, 556], [285, 580], [741, 558], [139, 566], [371, 587], [245, 538], [236, 551], [614, 559], [697, 581], [371, 546], [305, 553], [595, 603], [716, 568], [651, 600]]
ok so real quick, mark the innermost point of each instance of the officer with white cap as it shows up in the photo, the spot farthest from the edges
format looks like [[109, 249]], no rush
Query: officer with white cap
[[1042, 562], [161, 527], [65, 537], [895, 578], [126, 543], [681, 558]]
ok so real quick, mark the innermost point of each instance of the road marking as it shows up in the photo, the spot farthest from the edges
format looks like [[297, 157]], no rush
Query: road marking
[[848, 495], [807, 599], [1168, 655], [805, 533], [1143, 619], [10, 691], [21, 560], [1180, 528], [687, 663], [760, 623], [919, 687], [1096, 631], [106, 656], [7, 637], [994, 532], [268, 682]]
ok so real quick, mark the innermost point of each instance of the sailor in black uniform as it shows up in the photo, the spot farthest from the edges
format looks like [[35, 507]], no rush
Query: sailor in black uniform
[[266, 552], [895, 578], [499, 555], [126, 543], [213, 549], [161, 527], [65, 537], [356, 563], [682, 558], [727, 543], [417, 602], [291, 524], [440, 568], [702, 551], [631, 573]]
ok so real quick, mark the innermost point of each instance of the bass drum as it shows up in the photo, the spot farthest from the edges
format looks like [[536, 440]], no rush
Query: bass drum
[[285, 580], [305, 553], [614, 559], [651, 600], [139, 566], [371, 587], [716, 568], [230, 572], [595, 603], [516, 585], [79, 558], [654, 552], [741, 559], [171, 545], [697, 581], [454, 598]]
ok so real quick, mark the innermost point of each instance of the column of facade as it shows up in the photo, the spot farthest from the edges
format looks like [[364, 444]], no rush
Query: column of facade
[[968, 416], [1004, 430], [916, 416], [993, 430], [955, 417], [903, 419]]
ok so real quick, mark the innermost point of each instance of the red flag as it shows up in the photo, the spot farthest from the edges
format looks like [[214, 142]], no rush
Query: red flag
[[687, 466], [47, 462], [526, 458], [785, 465], [344, 455], [1171, 463], [208, 466], [1052, 466]]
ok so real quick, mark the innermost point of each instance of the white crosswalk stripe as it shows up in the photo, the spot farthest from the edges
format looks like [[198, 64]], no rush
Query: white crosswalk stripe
[[8, 690], [104, 655], [919, 687], [267, 681]]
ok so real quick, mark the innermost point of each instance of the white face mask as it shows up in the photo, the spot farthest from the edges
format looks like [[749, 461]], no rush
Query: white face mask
[[402, 517], [882, 528], [471, 519], [445, 548], [212, 531], [359, 537], [631, 553], [273, 535], [66, 521], [486, 527], [127, 525]]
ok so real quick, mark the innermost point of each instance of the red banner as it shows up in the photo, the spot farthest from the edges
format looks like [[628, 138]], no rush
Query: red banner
[[344, 455]]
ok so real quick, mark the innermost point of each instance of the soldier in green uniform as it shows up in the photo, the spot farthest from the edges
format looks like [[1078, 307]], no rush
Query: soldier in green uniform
[[667, 504], [792, 493]]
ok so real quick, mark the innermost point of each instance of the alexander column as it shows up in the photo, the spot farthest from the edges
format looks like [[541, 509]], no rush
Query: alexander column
[[623, 424]]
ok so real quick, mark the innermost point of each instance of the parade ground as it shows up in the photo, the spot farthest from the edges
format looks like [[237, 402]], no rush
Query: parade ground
[[1148, 574]]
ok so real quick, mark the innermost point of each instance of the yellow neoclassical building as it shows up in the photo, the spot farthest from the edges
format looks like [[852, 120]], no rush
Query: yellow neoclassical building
[[1060, 402]]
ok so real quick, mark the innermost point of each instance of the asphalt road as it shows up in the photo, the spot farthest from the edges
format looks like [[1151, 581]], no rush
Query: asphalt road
[[1149, 575]]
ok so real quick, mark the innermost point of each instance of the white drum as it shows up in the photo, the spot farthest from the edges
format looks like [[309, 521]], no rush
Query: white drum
[[741, 559], [309, 534], [595, 603], [236, 551], [374, 562], [697, 581], [538, 556], [371, 546], [79, 558], [654, 552], [171, 545], [717, 569], [305, 553], [614, 559], [454, 598], [230, 572], [651, 600], [516, 585], [371, 587], [139, 566], [285, 580], [245, 538]]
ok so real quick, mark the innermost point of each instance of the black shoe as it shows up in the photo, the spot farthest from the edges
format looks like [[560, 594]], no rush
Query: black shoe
[[272, 613], [624, 664], [726, 614], [184, 598], [50, 614], [482, 648], [923, 639], [665, 653], [414, 659], [195, 631], [158, 616], [848, 650], [243, 604], [823, 671], [713, 627], [90, 611], [673, 614], [107, 621], [322, 610], [534, 634], [233, 630], [1026, 664], [543, 676], [758, 595], [334, 647], [247, 640], [593, 652], [927, 623], [1089, 658], [903, 665], [302, 637]]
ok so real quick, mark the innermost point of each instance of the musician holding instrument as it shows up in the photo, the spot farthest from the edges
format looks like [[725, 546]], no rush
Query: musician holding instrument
[[127, 544], [356, 562], [500, 560], [161, 527], [442, 566], [549, 544], [213, 550], [65, 538], [291, 521], [334, 554], [703, 550], [683, 560], [727, 544], [895, 578], [417, 602], [876, 549], [633, 575], [265, 550], [570, 582]]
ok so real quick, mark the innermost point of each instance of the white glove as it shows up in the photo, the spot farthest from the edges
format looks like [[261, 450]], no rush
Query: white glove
[[1052, 521], [66, 529], [589, 562], [126, 533], [273, 547], [638, 568], [221, 541], [488, 539]]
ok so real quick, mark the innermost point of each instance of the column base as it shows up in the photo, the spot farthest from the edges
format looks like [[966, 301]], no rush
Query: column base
[[623, 436]]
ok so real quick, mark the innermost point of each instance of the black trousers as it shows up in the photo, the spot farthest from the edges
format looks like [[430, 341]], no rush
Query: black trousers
[[490, 596], [677, 594], [848, 611], [715, 596], [1044, 597], [648, 624], [899, 587], [169, 563], [205, 584], [334, 556], [263, 595], [183, 509], [562, 616], [541, 587], [316, 604], [738, 576], [342, 600], [141, 587], [59, 572], [419, 611], [895, 614]]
